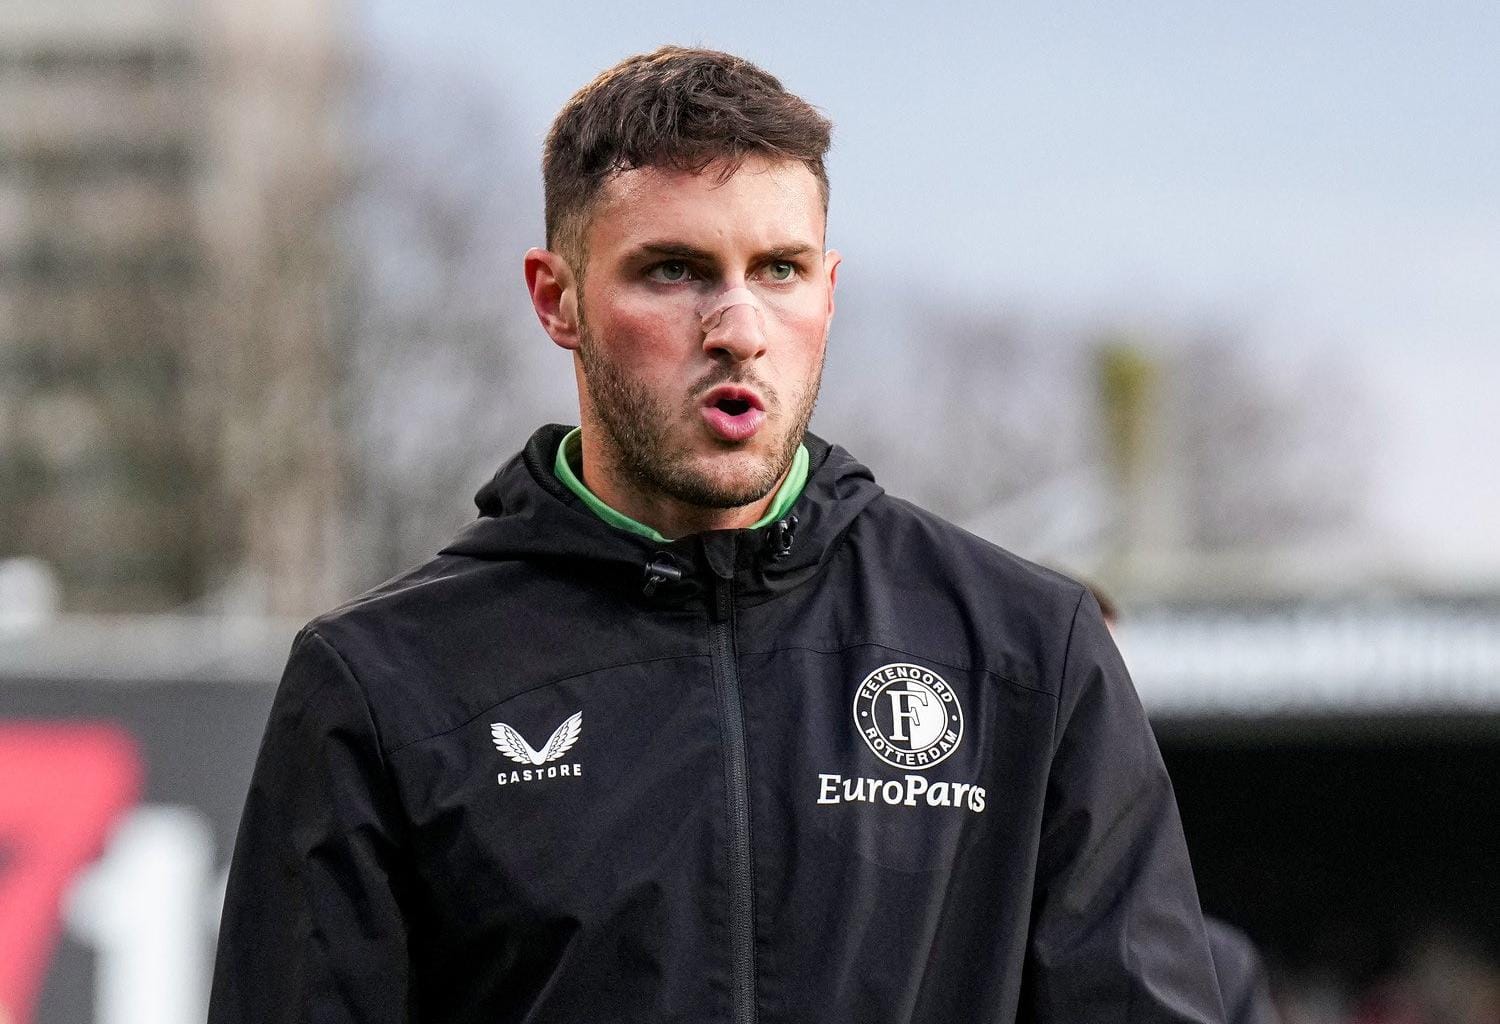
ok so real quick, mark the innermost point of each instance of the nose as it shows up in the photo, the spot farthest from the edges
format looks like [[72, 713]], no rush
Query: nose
[[737, 329], [739, 334]]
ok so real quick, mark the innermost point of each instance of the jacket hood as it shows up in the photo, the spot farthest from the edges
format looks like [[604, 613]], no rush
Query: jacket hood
[[526, 513]]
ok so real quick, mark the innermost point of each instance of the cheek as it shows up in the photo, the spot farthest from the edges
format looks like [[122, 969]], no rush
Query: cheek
[[643, 336], [652, 349], [802, 329], [803, 312]]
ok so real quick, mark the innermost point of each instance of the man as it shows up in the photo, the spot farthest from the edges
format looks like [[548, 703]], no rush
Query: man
[[694, 722]]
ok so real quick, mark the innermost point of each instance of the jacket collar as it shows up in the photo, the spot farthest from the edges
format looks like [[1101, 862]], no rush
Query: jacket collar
[[526, 513]]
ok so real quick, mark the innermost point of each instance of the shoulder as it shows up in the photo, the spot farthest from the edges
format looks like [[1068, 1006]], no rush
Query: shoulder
[[404, 642], [928, 544], [970, 595], [410, 596]]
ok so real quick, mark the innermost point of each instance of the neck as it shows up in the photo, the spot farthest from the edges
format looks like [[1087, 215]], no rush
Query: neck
[[666, 515]]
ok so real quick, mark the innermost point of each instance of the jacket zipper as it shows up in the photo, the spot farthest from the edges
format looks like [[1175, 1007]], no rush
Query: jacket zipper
[[732, 713]]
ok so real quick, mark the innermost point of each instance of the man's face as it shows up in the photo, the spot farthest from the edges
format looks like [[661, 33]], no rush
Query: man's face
[[675, 404]]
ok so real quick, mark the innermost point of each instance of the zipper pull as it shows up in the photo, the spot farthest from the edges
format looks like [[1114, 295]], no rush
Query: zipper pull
[[723, 599]]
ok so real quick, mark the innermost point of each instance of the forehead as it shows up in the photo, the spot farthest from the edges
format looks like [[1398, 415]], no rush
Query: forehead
[[763, 203]]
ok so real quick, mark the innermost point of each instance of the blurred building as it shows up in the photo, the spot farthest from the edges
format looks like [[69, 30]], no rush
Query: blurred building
[[166, 311]]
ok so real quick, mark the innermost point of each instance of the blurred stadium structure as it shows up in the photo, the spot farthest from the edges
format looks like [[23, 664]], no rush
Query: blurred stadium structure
[[254, 358]]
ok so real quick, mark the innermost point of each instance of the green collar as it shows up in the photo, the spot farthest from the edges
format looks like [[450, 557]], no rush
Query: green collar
[[569, 451]]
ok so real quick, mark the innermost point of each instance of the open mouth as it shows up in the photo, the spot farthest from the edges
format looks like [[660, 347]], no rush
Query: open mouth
[[733, 413], [733, 400], [733, 406]]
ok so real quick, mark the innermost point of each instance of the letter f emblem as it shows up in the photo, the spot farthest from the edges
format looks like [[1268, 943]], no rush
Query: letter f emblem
[[902, 711]]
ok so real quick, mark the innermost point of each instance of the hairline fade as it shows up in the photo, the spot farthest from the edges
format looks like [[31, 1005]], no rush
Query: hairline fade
[[676, 108]]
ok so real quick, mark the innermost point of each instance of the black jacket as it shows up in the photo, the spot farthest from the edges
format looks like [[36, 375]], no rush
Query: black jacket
[[1244, 986], [855, 766]]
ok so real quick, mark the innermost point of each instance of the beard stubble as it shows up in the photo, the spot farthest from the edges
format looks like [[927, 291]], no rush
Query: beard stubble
[[638, 424]]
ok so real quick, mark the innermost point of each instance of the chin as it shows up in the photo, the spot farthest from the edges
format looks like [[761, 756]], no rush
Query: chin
[[726, 479]]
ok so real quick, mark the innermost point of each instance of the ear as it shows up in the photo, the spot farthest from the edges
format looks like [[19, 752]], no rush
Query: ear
[[554, 296], [831, 261]]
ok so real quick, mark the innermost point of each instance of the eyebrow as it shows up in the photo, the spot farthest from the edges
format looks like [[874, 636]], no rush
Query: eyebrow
[[676, 250]]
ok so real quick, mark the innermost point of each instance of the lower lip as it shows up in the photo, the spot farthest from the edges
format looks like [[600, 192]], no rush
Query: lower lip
[[733, 428]]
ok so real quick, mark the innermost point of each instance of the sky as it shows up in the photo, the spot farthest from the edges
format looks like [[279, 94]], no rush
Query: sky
[[1323, 177]]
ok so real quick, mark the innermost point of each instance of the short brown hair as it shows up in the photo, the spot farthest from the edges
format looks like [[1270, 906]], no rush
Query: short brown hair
[[677, 108]]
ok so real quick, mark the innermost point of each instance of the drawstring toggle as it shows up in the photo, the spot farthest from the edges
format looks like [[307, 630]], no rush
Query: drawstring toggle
[[659, 570], [781, 536]]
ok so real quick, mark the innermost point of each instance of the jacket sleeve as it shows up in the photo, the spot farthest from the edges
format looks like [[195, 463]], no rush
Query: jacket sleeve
[[313, 929], [1243, 984], [1117, 934]]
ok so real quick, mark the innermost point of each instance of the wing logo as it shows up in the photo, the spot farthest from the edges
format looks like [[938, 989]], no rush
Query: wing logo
[[514, 746]]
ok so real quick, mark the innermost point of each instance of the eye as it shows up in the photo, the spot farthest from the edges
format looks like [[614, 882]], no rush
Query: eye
[[781, 270], [670, 271]]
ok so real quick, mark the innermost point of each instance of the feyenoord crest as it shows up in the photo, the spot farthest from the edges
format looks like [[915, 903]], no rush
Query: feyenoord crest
[[908, 715]]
